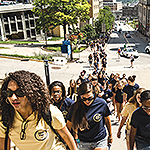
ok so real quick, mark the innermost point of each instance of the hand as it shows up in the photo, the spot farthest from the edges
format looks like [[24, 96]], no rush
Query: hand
[[118, 134], [110, 140]]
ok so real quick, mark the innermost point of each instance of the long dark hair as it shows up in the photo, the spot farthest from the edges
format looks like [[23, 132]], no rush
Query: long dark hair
[[79, 118], [33, 88]]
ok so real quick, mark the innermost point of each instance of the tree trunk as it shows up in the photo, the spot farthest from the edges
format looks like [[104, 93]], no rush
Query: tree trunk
[[64, 26]]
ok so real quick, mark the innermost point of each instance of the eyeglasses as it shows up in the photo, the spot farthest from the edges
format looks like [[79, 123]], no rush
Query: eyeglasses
[[58, 92], [146, 108], [17, 92], [89, 99], [23, 128]]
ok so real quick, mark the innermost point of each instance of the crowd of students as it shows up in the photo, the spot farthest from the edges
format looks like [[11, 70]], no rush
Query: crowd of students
[[80, 115]]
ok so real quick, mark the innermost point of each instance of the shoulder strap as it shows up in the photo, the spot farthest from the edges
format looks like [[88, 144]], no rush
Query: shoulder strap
[[6, 138], [48, 118]]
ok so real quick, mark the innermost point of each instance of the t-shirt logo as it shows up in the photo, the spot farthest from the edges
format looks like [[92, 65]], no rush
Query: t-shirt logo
[[65, 113], [97, 117], [41, 135]]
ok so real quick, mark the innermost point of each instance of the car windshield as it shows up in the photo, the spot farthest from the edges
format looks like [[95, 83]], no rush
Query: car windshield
[[131, 50]]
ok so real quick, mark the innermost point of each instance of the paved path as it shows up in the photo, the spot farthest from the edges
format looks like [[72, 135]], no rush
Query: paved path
[[72, 70]]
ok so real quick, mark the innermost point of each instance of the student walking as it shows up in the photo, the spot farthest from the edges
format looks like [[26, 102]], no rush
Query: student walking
[[58, 95], [131, 60], [140, 124], [24, 101], [87, 117], [129, 108]]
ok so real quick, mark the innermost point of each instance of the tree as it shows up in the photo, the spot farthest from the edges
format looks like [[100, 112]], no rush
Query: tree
[[105, 17], [53, 13], [89, 31]]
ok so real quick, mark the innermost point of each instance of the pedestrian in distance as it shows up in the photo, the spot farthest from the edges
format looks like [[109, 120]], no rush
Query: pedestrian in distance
[[87, 117], [119, 52], [90, 59], [131, 60], [24, 101], [58, 95], [140, 124], [128, 109]]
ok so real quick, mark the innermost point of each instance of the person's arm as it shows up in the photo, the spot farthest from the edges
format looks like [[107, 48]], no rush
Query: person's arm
[[124, 97], [132, 137], [113, 99], [2, 143], [123, 120], [108, 125], [68, 138]]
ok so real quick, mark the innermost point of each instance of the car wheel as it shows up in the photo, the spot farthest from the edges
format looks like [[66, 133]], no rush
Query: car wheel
[[147, 50]]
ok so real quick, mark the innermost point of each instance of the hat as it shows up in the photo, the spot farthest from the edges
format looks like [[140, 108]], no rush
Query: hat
[[145, 95]]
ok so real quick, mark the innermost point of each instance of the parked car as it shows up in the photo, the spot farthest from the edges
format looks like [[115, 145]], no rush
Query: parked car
[[128, 51], [147, 48]]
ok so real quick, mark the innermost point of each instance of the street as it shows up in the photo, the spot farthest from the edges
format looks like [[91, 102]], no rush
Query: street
[[71, 70]]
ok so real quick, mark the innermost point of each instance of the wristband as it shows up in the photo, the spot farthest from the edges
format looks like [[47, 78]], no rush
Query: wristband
[[77, 140]]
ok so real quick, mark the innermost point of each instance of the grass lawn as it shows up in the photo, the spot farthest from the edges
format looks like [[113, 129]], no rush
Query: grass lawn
[[55, 38], [4, 47], [16, 42]]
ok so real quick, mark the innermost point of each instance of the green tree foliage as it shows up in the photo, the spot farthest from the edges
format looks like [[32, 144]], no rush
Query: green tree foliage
[[105, 17], [88, 31], [53, 13]]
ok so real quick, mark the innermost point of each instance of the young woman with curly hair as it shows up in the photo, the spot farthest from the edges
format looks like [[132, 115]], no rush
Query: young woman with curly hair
[[23, 101], [128, 109], [87, 118]]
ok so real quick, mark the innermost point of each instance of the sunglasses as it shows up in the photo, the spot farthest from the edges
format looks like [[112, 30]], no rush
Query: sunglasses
[[58, 92], [17, 92], [146, 108], [89, 99]]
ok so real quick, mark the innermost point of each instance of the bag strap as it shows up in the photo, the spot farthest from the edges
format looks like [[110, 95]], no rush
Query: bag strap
[[6, 138], [48, 119]]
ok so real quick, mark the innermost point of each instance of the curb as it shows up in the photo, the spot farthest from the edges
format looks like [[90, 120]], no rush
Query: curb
[[22, 59]]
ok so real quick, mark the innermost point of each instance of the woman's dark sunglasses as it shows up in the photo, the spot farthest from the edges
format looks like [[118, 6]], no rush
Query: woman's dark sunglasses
[[89, 99], [17, 92]]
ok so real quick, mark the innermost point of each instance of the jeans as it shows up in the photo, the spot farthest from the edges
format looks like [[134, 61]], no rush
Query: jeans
[[92, 145]]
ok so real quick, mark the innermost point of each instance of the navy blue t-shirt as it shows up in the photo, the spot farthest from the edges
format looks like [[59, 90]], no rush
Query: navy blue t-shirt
[[65, 106], [95, 114], [130, 90], [141, 120], [119, 95], [107, 94]]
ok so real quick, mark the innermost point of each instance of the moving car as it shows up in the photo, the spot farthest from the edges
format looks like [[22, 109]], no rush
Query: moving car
[[128, 51], [147, 48], [128, 35]]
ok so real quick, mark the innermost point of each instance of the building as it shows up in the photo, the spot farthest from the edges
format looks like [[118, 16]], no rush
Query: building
[[144, 16], [130, 11], [114, 6], [18, 22]]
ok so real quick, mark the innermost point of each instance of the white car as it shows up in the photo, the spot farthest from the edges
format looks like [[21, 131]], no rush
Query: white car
[[128, 51], [147, 48]]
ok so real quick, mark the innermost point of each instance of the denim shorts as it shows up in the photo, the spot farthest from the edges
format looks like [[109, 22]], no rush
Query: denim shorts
[[142, 144], [92, 145]]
